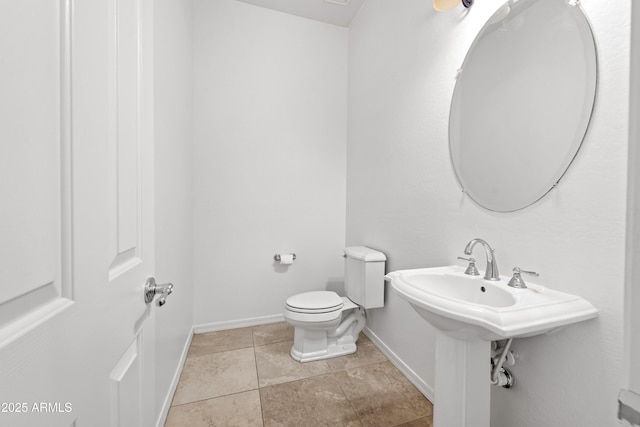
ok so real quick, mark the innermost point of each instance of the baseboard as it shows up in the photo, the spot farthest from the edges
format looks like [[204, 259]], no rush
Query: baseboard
[[240, 323], [164, 411], [629, 408], [420, 384]]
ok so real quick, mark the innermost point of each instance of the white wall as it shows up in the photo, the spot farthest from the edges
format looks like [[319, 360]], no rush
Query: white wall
[[174, 183], [403, 199], [269, 166]]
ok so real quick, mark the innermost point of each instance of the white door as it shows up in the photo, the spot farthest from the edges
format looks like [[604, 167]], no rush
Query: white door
[[76, 218]]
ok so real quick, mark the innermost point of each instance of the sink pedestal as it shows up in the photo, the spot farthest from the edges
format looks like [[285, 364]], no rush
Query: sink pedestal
[[462, 391]]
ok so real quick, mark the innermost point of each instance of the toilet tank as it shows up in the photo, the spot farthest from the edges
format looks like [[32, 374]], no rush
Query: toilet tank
[[364, 276]]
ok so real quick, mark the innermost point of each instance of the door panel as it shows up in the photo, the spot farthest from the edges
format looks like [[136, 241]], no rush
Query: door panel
[[125, 135], [126, 379], [34, 165]]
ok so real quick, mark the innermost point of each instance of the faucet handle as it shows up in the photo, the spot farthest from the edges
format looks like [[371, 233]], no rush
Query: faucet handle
[[471, 269], [517, 281]]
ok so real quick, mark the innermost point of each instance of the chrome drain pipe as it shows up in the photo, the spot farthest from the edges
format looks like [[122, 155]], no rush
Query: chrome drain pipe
[[504, 378], [499, 375]]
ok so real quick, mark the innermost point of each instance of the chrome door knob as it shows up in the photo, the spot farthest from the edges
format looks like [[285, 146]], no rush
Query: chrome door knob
[[151, 289]]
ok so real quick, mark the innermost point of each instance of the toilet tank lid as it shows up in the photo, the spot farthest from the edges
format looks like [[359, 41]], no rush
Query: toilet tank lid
[[364, 253]]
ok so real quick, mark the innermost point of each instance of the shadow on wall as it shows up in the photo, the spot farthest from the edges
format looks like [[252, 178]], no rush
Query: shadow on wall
[[280, 268], [336, 284]]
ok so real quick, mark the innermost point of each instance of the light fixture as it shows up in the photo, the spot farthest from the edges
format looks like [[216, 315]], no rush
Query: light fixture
[[442, 5]]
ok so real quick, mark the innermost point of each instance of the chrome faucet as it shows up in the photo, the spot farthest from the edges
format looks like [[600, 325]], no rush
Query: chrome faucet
[[491, 272]]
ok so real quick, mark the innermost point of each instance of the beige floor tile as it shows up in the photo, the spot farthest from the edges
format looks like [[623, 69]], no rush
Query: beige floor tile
[[236, 410], [275, 365], [272, 333], [223, 370], [421, 422], [216, 342], [217, 374], [366, 354], [317, 401], [382, 396]]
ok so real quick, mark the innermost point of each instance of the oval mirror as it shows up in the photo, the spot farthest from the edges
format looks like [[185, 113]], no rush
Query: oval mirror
[[522, 102]]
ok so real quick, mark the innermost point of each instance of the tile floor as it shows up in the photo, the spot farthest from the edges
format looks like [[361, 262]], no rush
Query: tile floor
[[245, 377]]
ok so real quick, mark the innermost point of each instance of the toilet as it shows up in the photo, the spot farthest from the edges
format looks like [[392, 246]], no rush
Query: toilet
[[326, 324]]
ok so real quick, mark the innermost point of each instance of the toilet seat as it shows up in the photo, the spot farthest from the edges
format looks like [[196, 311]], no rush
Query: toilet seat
[[315, 302], [316, 307]]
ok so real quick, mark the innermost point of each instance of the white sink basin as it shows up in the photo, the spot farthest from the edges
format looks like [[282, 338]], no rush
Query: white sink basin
[[469, 307]]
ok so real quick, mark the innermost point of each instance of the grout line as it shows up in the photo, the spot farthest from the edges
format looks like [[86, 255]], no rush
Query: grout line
[[410, 421], [253, 336], [213, 398], [255, 365], [296, 380], [350, 403], [255, 361], [261, 409], [217, 352], [275, 342]]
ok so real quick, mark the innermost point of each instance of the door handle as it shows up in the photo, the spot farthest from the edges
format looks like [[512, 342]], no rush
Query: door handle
[[151, 289]]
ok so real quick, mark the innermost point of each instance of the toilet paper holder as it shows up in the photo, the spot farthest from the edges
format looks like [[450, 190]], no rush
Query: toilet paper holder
[[277, 257]]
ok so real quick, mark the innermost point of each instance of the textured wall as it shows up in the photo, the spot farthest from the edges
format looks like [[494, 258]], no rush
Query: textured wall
[[270, 158], [403, 199]]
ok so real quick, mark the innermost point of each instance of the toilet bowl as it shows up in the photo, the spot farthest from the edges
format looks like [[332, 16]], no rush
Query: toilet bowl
[[327, 325]]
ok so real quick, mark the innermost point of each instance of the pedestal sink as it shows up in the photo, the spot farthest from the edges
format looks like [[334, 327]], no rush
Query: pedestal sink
[[468, 313]]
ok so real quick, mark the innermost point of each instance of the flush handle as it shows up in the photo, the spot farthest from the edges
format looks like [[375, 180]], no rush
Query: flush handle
[[151, 289]]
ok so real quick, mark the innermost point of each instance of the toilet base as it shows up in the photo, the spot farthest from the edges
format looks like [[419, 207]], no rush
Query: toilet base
[[332, 351], [318, 343]]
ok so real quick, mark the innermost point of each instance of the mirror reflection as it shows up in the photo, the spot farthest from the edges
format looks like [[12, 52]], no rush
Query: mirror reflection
[[522, 102]]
